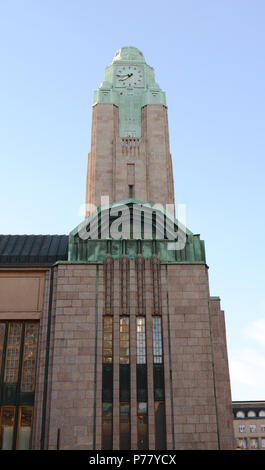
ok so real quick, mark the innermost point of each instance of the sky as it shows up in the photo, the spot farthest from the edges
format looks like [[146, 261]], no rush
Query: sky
[[208, 56]]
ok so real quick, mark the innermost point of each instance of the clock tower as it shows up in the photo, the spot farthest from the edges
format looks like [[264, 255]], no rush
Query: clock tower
[[109, 338], [130, 156]]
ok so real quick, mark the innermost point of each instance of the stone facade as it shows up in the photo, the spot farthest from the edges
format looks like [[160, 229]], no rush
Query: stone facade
[[197, 393], [115, 163]]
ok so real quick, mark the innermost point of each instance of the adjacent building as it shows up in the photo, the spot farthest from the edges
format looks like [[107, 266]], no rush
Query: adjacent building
[[109, 337], [249, 424]]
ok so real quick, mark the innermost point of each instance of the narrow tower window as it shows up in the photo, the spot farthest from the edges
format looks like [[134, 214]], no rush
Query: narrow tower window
[[159, 385], [125, 434], [107, 340], [124, 340], [130, 191], [157, 341], [107, 383], [142, 426], [140, 338]]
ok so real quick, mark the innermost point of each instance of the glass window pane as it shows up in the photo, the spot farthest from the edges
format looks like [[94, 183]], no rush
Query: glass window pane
[[24, 431], [140, 338], [124, 340], [107, 339], [29, 357], [142, 426], [7, 427], [142, 408], [12, 352], [254, 443], [125, 434], [160, 431], [157, 341], [107, 426]]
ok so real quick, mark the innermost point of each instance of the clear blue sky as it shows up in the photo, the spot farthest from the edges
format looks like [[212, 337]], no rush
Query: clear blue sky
[[208, 57]]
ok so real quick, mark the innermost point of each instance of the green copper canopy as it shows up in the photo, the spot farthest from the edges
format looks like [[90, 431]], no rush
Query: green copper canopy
[[129, 83]]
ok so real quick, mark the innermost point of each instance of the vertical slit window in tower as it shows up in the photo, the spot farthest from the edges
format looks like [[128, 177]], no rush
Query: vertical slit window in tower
[[130, 191], [124, 340], [107, 339], [140, 340], [157, 341], [160, 431], [107, 426], [141, 370], [107, 368], [125, 429], [159, 385], [125, 437], [142, 426]]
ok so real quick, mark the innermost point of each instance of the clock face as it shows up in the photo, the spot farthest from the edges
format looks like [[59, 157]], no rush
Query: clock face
[[129, 76]]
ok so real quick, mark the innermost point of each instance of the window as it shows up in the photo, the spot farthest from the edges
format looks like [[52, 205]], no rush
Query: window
[[252, 428], [240, 414], [157, 341], [130, 191], [242, 428], [29, 357], [24, 427], [263, 443], [7, 426], [107, 339], [160, 431], [142, 426], [262, 413], [140, 338], [18, 359], [254, 444], [251, 414], [262, 427], [242, 443], [125, 434], [107, 426], [124, 340], [12, 352]]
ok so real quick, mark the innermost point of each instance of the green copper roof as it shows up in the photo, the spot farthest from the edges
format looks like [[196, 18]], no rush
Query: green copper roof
[[95, 249], [129, 53], [129, 83]]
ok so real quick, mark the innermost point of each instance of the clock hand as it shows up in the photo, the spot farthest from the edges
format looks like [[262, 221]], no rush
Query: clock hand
[[128, 75]]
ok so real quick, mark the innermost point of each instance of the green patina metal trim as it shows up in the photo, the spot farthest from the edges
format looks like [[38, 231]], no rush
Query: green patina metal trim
[[100, 262], [95, 251], [129, 94]]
